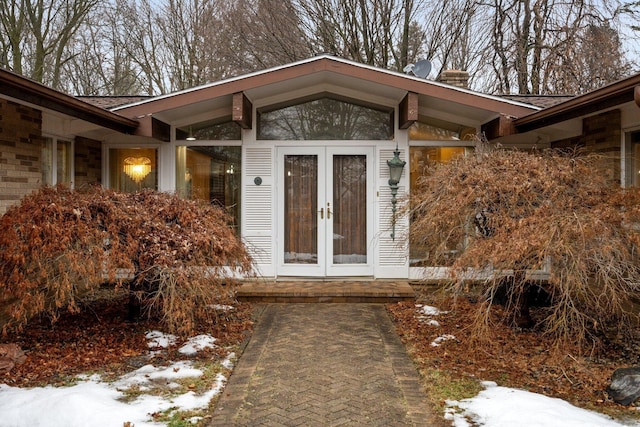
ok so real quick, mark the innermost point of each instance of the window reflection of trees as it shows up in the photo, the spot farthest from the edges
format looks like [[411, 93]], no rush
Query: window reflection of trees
[[326, 119]]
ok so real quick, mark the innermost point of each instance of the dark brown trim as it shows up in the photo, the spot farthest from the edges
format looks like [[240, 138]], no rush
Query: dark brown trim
[[636, 95], [23, 89], [609, 96], [408, 110], [333, 65], [242, 110], [160, 130], [498, 127]]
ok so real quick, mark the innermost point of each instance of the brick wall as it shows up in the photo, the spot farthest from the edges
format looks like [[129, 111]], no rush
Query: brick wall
[[600, 134], [87, 162], [20, 151]]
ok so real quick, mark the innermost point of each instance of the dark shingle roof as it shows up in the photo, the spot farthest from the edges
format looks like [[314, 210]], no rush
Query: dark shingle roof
[[108, 102], [543, 101]]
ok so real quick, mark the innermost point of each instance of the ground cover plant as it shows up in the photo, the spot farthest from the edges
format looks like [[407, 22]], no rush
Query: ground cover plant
[[500, 215], [173, 257]]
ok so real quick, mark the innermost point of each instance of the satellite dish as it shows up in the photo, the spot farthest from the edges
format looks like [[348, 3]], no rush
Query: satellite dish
[[422, 68]]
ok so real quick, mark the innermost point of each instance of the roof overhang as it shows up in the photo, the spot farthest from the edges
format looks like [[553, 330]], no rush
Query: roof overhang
[[329, 74], [34, 93], [610, 96]]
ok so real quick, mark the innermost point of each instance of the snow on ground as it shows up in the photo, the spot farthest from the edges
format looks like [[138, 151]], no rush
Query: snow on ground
[[506, 407], [93, 402], [197, 343]]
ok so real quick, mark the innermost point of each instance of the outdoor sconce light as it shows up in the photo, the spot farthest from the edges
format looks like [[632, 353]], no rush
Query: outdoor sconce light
[[395, 172]]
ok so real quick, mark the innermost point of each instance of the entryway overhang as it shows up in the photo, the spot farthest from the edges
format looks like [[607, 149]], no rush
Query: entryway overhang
[[324, 73]]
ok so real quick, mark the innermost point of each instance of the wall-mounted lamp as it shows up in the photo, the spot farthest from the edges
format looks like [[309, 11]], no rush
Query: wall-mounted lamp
[[395, 173], [137, 168]]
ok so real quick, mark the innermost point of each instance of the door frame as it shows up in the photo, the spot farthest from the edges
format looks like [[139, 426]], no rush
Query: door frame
[[325, 266]]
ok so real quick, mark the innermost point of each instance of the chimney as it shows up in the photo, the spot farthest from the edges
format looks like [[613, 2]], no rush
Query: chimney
[[456, 78]]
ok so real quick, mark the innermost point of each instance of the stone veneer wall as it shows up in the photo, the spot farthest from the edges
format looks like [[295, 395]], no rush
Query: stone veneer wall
[[87, 162], [20, 152], [600, 134]]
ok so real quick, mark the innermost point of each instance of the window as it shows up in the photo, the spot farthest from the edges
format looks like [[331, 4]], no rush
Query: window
[[420, 158], [325, 118], [57, 161], [211, 130], [212, 174], [431, 129], [632, 159], [133, 169]]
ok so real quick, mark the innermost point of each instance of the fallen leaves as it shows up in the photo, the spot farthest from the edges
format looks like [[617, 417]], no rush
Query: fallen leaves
[[101, 339], [512, 358]]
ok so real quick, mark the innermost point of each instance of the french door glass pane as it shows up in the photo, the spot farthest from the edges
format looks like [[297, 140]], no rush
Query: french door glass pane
[[349, 209], [300, 209]]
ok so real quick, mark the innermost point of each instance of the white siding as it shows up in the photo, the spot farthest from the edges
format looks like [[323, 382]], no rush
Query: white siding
[[392, 254], [258, 221]]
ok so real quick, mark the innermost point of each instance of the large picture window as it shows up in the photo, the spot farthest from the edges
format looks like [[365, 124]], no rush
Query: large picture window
[[325, 118], [212, 174], [420, 159]]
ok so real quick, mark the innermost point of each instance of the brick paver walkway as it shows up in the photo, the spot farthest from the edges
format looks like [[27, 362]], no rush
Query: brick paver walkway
[[323, 365]]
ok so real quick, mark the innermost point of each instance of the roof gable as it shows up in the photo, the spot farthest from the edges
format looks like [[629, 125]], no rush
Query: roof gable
[[328, 74]]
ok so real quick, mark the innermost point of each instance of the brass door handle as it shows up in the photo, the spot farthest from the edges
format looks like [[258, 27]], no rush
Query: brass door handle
[[321, 213], [328, 213]]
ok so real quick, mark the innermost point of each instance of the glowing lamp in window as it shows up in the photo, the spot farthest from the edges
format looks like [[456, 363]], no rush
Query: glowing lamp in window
[[137, 168]]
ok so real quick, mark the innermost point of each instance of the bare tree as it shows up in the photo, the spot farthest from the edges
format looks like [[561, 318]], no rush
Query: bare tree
[[38, 35], [536, 46], [374, 32], [12, 34], [261, 34], [100, 64]]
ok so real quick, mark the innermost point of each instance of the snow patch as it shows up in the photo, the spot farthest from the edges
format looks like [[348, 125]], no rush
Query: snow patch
[[441, 339], [197, 343], [157, 339], [505, 407]]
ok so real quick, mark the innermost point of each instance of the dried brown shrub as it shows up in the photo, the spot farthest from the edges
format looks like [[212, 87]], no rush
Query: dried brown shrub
[[59, 245], [511, 212]]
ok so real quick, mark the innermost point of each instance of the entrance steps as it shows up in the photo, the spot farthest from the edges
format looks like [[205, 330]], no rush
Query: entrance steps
[[335, 291]]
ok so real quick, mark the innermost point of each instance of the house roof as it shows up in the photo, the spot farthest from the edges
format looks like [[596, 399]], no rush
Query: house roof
[[615, 94], [109, 102], [542, 101], [329, 74], [32, 92]]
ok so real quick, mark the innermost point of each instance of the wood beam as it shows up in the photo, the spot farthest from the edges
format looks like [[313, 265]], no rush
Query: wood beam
[[242, 110], [160, 130], [408, 110], [499, 127]]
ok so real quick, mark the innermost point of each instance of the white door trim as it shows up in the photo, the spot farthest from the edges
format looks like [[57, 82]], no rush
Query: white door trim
[[324, 266]]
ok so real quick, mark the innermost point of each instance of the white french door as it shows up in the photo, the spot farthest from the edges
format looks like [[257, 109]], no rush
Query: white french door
[[325, 211]]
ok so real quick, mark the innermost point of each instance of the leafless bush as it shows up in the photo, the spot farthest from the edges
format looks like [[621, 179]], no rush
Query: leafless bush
[[514, 213], [60, 245]]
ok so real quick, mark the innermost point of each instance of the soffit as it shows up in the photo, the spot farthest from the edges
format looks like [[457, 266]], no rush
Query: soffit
[[326, 73]]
